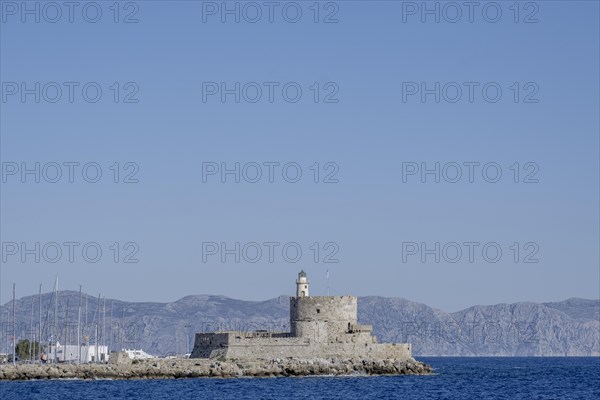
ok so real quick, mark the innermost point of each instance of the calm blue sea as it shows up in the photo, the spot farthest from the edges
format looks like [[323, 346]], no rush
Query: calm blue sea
[[456, 378]]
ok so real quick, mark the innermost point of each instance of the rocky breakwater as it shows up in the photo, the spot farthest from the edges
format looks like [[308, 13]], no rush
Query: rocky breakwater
[[197, 368]]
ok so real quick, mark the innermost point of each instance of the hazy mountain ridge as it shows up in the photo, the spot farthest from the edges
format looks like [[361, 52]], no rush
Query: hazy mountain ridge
[[570, 327], [578, 308]]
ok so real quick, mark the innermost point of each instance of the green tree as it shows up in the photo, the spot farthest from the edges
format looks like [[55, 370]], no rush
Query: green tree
[[24, 347]]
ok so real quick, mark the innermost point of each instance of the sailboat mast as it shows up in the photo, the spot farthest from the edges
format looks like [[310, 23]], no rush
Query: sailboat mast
[[110, 337], [54, 336], [32, 331], [14, 327], [40, 321], [104, 320], [122, 327], [79, 328], [66, 353], [97, 322]]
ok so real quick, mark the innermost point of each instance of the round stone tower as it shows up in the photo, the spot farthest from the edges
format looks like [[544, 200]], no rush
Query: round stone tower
[[321, 318], [302, 285]]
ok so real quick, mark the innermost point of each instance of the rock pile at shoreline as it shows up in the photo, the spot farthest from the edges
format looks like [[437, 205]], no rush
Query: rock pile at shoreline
[[209, 368]]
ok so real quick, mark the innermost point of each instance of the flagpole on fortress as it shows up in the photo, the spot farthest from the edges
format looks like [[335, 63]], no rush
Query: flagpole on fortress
[[327, 277]]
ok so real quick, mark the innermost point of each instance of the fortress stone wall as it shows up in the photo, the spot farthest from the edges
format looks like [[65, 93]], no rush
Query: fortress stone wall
[[321, 327], [322, 317]]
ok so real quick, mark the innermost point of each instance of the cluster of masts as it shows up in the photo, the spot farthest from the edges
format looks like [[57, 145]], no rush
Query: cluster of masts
[[44, 345]]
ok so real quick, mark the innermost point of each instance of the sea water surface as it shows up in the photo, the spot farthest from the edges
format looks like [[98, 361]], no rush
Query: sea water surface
[[455, 378]]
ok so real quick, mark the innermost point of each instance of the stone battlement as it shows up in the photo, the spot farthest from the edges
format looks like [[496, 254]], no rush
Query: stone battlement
[[320, 326]]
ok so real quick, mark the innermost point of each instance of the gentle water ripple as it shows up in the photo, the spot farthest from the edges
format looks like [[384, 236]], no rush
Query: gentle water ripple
[[456, 378]]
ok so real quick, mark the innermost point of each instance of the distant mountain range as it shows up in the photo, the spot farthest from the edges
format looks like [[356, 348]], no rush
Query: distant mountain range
[[566, 328]]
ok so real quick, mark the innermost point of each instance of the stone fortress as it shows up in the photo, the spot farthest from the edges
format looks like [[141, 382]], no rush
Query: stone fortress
[[320, 327]]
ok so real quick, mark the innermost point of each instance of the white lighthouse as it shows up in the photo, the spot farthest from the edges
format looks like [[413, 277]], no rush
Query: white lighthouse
[[302, 285]]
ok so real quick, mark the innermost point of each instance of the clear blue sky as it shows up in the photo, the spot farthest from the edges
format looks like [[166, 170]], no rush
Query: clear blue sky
[[368, 133]]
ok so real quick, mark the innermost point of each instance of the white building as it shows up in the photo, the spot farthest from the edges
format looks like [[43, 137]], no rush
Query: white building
[[72, 353], [138, 354]]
